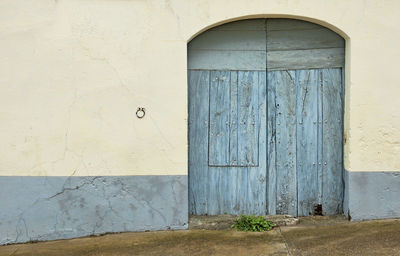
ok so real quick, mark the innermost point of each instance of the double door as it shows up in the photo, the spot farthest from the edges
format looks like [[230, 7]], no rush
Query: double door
[[265, 124]]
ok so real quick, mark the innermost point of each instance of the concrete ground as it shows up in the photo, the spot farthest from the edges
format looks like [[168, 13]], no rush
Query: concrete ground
[[311, 236]]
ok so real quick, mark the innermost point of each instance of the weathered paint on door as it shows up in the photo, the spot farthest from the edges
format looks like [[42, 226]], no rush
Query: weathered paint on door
[[306, 141], [227, 136], [265, 119]]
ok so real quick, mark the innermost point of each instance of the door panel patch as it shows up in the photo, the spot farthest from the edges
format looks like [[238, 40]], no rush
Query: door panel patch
[[234, 118]]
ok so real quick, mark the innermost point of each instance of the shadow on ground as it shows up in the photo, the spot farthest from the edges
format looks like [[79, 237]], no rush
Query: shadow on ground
[[312, 236]]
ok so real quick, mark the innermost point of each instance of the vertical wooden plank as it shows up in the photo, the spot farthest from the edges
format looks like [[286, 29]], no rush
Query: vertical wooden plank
[[286, 142], [271, 143], [233, 141], [229, 175], [214, 195], [247, 114], [248, 118], [219, 109], [238, 176], [248, 141], [219, 118], [256, 175], [332, 141], [307, 141], [259, 175], [320, 139], [198, 92], [242, 192]]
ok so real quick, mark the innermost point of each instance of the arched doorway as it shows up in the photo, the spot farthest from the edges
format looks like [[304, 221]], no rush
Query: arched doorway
[[266, 119]]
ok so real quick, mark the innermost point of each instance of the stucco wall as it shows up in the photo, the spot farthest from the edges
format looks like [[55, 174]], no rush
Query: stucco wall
[[74, 72]]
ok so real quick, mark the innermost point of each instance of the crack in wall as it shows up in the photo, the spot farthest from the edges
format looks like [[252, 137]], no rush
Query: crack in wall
[[95, 205]]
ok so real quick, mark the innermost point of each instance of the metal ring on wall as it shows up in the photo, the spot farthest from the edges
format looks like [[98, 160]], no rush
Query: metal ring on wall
[[140, 112]]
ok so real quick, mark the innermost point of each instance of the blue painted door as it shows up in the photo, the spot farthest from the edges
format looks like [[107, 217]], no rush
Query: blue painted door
[[305, 109], [227, 136], [266, 119]]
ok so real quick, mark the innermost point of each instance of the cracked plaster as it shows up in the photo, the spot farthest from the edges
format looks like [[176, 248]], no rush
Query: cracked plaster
[[48, 208]]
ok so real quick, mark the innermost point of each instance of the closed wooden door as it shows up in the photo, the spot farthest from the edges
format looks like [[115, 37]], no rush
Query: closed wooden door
[[227, 136], [265, 119]]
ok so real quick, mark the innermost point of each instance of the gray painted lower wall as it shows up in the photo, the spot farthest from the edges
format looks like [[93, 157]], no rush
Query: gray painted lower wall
[[346, 193], [48, 208], [372, 195]]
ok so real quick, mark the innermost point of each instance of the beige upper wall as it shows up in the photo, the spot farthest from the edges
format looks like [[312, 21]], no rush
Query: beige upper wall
[[73, 72]]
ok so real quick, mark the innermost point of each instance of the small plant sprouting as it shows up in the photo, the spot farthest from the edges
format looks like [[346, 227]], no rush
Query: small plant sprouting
[[252, 223]]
